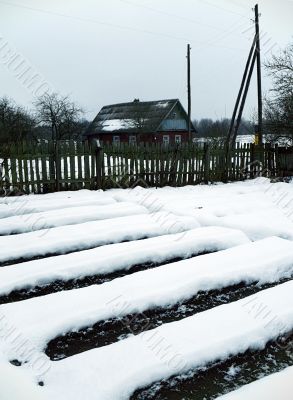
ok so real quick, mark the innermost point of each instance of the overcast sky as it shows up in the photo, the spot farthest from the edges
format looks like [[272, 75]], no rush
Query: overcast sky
[[109, 51]]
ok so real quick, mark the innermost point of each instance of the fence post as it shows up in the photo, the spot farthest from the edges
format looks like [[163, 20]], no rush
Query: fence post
[[57, 164], [225, 162], [99, 164], [276, 160], [206, 162], [252, 157], [173, 166], [4, 178]]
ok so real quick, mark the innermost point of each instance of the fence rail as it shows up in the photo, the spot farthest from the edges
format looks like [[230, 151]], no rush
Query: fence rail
[[69, 165]]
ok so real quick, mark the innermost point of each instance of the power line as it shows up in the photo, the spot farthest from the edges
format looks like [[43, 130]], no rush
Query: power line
[[90, 20], [236, 3], [108, 24], [228, 32], [179, 17], [222, 8]]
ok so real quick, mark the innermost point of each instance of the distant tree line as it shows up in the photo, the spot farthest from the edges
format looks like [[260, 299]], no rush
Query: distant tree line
[[218, 129], [53, 117]]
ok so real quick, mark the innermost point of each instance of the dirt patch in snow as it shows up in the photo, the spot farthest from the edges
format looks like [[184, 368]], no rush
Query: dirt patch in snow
[[60, 285], [112, 330], [223, 376]]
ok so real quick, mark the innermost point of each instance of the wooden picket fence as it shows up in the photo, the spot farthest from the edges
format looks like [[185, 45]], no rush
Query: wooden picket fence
[[42, 167], [48, 166]]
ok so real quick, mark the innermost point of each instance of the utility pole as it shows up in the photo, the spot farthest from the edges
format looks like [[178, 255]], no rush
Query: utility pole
[[259, 89], [189, 92], [240, 112], [240, 94]]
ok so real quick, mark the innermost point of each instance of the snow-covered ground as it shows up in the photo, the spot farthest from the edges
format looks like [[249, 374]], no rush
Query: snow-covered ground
[[115, 257], [68, 238], [115, 371], [67, 216], [17, 384], [276, 386], [44, 318], [22, 205], [258, 208], [247, 225]]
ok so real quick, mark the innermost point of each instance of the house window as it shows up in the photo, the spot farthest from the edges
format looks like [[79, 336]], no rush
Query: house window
[[116, 139], [132, 139], [166, 139], [177, 139]]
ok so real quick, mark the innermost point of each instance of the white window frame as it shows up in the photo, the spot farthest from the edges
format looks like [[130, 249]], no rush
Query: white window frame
[[166, 139], [178, 139], [116, 139]]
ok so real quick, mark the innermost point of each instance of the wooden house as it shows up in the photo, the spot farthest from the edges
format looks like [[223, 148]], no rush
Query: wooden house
[[163, 121]]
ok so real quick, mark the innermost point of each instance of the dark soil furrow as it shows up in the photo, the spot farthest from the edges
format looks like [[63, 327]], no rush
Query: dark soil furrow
[[222, 377], [59, 253], [60, 285], [112, 330]]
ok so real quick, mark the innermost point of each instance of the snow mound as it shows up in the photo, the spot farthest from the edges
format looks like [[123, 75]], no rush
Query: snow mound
[[16, 384], [114, 257], [46, 317], [277, 386], [114, 372], [11, 206], [66, 239], [67, 216]]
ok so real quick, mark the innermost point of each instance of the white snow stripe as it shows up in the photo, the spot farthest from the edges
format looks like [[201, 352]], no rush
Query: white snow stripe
[[256, 207], [30, 206], [256, 225], [114, 372], [114, 257], [276, 386], [67, 216], [46, 317], [70, 194], [65, 239]]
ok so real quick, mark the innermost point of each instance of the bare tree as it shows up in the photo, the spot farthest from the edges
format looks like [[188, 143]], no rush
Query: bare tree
[[279, 107], [15, 122], [60, 114]]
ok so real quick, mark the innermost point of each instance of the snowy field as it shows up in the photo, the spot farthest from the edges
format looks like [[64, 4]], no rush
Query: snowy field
[[170, 293]]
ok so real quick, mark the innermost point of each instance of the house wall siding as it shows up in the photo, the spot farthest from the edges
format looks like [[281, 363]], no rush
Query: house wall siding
[[175, 120], [174, 124], [144, 138]]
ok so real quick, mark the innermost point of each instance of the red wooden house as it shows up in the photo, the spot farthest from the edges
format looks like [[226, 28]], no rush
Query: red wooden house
[[163, 121]]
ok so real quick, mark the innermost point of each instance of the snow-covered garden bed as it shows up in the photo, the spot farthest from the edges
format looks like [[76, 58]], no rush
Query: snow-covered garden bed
[[147, 293]]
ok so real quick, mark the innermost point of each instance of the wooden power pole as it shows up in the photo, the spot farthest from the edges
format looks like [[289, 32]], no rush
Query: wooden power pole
[[253, 58], [258, 62], [189, 92], [233, 131]]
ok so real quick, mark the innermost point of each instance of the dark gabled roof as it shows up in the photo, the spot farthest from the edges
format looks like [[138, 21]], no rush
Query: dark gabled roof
[[134, 116]]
